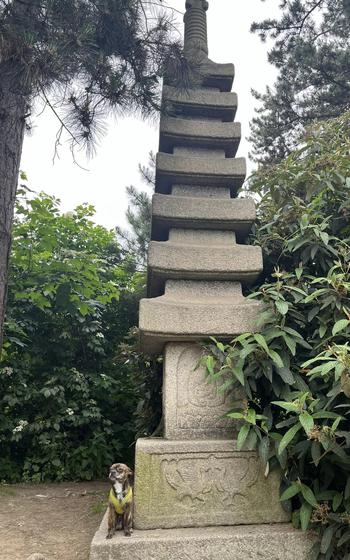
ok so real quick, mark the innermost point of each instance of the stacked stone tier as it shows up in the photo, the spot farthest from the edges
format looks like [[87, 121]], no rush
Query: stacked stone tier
[[218, 76], [193, 311], [185, 257], [235, 214], [172, 170], [200, 103], [202, 134], [213, 75], [198, 226]]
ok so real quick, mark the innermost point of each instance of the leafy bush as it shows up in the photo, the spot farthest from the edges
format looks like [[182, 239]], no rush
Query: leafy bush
[[67, 401], [295, 373]]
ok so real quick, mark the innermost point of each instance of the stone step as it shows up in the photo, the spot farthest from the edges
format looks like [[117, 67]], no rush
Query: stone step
[[193, 311], [249, 542], [175, 170], [200, 103], [208, 261], [202, 483], [235, 214], [215, 135]]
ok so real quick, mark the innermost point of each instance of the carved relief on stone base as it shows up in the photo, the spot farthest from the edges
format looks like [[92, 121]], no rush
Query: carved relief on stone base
[[202, 483], [193, 407]]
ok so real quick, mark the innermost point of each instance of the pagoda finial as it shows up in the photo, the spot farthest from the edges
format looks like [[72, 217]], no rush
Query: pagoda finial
[[196, 37]]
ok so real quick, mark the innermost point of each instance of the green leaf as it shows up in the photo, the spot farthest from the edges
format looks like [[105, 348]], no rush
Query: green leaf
[[291, 344], [337, 500], [288, 438], [264, 449], [306, 421], [291, 407], [298, 272], [251, 416], [276, 358], [238, 372], [344, 539], [305, 516], [242, 436], [236, 415], [327, 539], [282, 307], [340, 326], [210, 364], [308, 495], [292, 491], [286, 375], [316, 452], [262, 342]]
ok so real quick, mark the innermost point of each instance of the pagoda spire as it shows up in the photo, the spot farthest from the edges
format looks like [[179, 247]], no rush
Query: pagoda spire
[[196, 36]]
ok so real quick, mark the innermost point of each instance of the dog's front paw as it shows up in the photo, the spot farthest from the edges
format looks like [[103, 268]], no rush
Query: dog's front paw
[[109, 536]]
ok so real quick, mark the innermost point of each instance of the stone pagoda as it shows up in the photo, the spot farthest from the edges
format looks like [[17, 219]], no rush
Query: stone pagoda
[[196, 496]]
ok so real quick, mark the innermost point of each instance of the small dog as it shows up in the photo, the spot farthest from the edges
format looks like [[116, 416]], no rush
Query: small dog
[[120, 506]]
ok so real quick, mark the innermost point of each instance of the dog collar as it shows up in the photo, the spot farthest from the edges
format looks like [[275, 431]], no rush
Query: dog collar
[[120, 504]]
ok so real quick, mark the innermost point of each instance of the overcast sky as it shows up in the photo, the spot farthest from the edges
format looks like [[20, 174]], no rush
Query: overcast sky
[[129, 140]]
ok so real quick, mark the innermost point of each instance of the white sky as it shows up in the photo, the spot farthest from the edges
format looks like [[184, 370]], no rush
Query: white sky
[[129, 140]]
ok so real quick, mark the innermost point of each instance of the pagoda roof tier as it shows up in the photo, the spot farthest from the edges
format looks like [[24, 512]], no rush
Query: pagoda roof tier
[[193, 311], [214, 75], [219, 76], [188, 261], [204, 171], [200, 103], [204, 134], [168, 211]]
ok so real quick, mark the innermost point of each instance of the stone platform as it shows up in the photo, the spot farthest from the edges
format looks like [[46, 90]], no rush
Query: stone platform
[[251, 542], [200, 483]]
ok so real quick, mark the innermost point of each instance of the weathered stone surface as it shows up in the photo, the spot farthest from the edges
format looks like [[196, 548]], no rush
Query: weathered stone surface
[[196, 36], [236, 214], [263, 542], [184, 132], [200, 103], [196, 310], [189, 260], [193, 408], [202, 483], [217, 75], [196, 191], [175, 170], [214, 75]]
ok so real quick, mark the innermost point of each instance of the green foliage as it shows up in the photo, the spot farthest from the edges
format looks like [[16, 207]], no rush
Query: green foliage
[[139, 216], [66, 399], [295, 373], [311, 52], [88, 57]]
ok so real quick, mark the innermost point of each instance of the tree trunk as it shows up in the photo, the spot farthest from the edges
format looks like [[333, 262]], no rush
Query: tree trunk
[[12, 123]]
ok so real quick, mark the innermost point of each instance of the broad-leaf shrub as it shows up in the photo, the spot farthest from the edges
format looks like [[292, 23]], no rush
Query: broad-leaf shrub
[[295, 372], [66, 401]]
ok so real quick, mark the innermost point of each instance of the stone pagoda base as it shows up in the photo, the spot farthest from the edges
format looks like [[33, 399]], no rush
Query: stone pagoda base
[[249, 542], [201, 483]]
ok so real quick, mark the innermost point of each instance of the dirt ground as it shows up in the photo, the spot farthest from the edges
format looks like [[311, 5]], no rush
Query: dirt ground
[[55, 520]]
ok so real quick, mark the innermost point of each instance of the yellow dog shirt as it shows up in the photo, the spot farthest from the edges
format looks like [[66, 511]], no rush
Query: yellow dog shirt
[[119, 505]]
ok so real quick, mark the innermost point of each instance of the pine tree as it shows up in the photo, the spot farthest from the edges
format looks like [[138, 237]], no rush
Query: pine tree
[[139, 216], [85, 58], [312, 54]]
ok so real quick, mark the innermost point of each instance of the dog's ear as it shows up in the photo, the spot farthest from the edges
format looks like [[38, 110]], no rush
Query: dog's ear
[[130, 473]]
